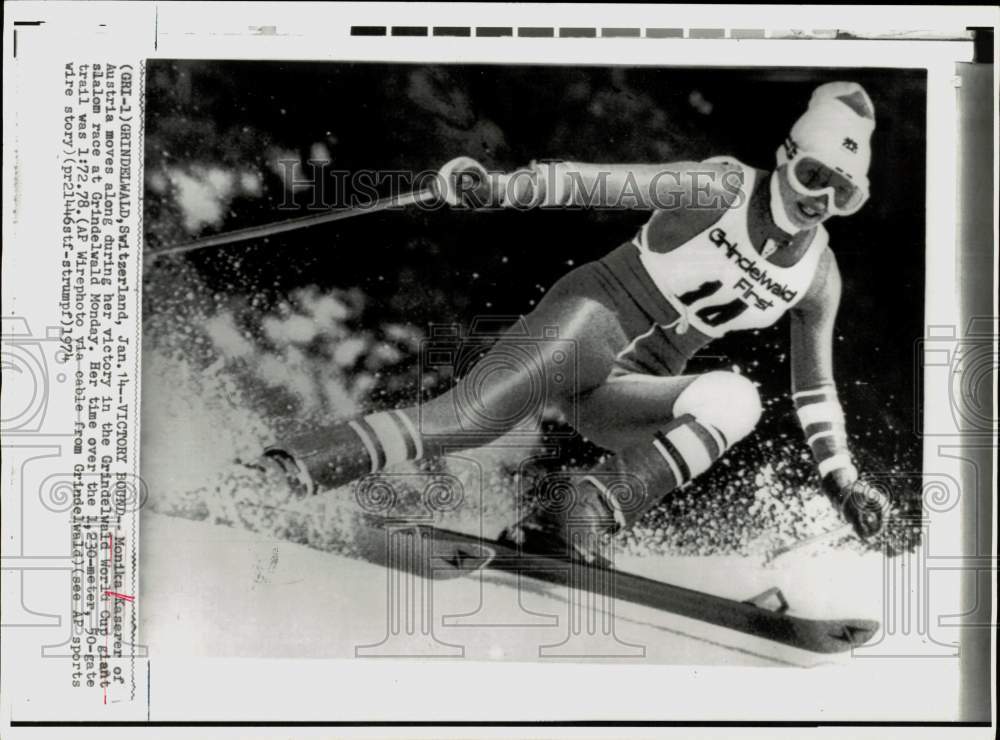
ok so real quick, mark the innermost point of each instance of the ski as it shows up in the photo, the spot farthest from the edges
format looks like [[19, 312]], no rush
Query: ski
[[439, 553]]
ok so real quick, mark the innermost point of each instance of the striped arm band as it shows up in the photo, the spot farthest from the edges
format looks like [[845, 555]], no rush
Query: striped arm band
[[822, 420]]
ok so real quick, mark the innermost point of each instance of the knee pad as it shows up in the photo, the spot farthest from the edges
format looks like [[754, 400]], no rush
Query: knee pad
[[726, 401]]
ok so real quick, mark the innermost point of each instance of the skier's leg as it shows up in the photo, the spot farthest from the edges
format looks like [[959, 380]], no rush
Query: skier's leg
[[563, 349], [664, 431], [569, 348], [709, 414]]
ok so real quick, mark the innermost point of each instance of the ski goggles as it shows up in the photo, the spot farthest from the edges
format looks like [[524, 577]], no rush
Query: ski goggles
[[809, 176]]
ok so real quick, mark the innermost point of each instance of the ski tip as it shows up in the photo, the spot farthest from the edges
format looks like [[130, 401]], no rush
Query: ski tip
[[854, 633]]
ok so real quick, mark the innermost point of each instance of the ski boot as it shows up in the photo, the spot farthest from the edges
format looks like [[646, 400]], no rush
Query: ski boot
[[569, 521]]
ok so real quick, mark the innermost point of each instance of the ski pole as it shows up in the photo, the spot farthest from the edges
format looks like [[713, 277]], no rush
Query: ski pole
[[292, 224], [821, 537]]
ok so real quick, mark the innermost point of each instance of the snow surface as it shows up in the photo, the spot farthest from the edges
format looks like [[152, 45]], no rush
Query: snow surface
[[221, 591]]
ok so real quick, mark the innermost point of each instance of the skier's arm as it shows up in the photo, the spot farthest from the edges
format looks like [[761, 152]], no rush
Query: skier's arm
[[815, 396], [813, 389], [464, 181], [637, 186]]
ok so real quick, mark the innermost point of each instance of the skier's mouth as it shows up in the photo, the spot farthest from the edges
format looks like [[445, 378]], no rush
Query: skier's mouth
[[808, 212]]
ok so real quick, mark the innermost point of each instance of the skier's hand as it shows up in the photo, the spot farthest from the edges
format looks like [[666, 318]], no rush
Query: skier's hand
[[864, 506], [279, 470], [465, 182]]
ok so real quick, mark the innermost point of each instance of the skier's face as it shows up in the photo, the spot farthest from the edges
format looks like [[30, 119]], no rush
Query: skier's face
[[805, 211]]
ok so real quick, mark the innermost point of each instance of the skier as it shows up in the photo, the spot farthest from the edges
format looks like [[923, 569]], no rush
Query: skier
[[727, 247]]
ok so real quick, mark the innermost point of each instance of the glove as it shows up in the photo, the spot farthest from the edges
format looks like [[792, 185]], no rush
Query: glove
[[279, 470], [464, 182], [863, 505]]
